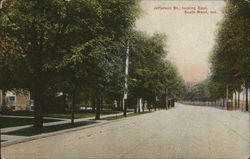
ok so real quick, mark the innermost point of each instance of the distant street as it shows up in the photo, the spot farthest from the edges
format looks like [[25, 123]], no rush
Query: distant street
[[183, 132]]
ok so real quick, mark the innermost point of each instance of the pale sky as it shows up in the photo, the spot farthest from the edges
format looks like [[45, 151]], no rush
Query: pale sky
[[190, 36]]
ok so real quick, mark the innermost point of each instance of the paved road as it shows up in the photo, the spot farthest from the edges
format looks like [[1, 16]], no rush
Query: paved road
[[186, 132]]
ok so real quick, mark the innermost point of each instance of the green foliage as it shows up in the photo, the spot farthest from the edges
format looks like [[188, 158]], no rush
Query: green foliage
[[150, 74], [207, 90], [199, 92], [70, 46], [78, 47], [230, 58]]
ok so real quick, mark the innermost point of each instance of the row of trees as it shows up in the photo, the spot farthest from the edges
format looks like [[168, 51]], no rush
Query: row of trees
[[207, 91], [230, 58], [150, 73], [210, 91], [79, 47], [198, 92]]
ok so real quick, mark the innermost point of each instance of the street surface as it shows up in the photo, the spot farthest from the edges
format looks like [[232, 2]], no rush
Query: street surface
[[183, 132]]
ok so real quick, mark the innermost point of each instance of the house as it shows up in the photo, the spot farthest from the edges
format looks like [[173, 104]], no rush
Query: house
[[16, 100]]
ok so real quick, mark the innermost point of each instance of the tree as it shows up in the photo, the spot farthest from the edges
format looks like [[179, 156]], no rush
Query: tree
[[230, 58], [52, 37], [150, 73]]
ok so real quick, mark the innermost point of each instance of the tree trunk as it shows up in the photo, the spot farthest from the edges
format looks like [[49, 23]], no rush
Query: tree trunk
[[235, 100], [121, 104], [139, 104], [238, 100], [93, 101], [3, 98], [246, 86], [101, 103], [143, 106], [125, 108], [38, 109], [98, 107], [155, 103], [73, 109], [135, 107], [223, 102]]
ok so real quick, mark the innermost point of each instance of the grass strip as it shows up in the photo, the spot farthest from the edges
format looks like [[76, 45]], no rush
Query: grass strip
[[67, 115], [121, 116], [12, 122], [31, 131]]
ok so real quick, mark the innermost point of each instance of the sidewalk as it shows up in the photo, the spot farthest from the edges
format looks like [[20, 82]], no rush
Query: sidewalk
[[13, 139]]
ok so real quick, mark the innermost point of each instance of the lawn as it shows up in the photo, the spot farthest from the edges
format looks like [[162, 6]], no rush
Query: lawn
[[11, 122], [47, 129], [79, 115], [67, 115]]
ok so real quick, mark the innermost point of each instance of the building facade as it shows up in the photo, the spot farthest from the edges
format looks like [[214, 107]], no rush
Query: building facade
[[16, 101]]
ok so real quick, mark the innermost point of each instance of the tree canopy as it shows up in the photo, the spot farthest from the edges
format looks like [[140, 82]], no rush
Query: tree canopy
[[231, 55], [78, 47]]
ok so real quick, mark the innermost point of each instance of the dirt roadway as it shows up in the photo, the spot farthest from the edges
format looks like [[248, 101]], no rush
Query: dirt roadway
[[186, 132]]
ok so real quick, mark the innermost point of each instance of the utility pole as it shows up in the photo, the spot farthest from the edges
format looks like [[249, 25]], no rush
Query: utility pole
[[126, 82]]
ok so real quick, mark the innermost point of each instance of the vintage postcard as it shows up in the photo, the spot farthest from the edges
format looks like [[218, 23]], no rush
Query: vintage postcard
[[124, 79]]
